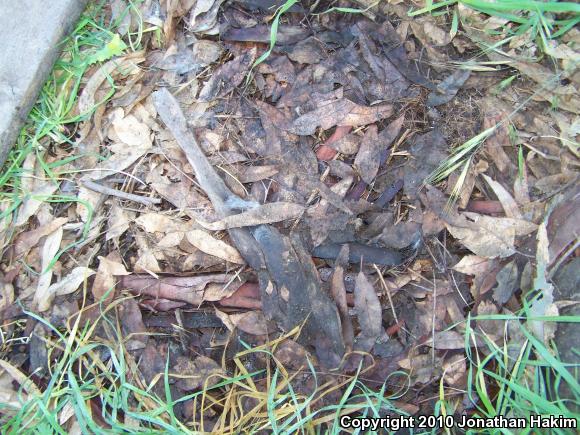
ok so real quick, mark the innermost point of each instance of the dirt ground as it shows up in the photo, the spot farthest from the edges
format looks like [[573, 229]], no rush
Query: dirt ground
[[226, 199]]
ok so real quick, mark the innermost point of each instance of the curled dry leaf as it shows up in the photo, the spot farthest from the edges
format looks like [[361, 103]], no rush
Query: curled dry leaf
[[454, 370], [492, 328], [42, 297], [200, 372], [251, 322], [421, 367], [212, 246], [228, 76], [507, 283], [447, 340], [250, 174], [71, 282], [338, 291], [368, 158], [118, 222], [33, 201], [369, 313], [292, 355], [507, 201], [27, 240], [127, 64], [544, 304], [11, 396], [448, 88], [472, 265], [203, 17], [341, 112], [263, 214], [193, 289], [161, 223], [562, 224], [109, 267], [488, 236], [132, 132]]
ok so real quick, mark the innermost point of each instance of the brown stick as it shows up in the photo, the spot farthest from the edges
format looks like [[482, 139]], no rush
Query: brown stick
[[120, 194]]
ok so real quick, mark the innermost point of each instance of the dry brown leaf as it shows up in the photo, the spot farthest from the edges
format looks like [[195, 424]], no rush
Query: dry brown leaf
[[494, 114], [421, 367], [33, 201], [341, 112], [132, 132], [485, 241], [210, 245], [206, 52], [321, 220], [118, 222], [468, 183], [544, 305], [251, 174], [251, 322], [521, 188], [338, 291], [193, 290], [13, 397], [216, 291], [263, 214], [105, 280], [171, 240], [569, 130], [292, 355], [161, 223], [368, 158], [227, 76], [550, 86], [131, 140], [483, 270], [430, 34], [193, 374], [507, 201], [472, 265], [454, 370], [369, 312], [71, 282], [347, 145], [27, 240], [203, 17], [43, 298], [488, 236], [127, 64], [494, 329], [88, 203], [148, 259], [507, 283], [562, 224], [447, 340]]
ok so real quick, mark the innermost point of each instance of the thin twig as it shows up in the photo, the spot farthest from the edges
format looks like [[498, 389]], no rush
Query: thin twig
[[120, 194]]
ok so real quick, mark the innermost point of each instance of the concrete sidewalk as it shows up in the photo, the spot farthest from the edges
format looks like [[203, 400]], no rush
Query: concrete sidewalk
[[30, 31]]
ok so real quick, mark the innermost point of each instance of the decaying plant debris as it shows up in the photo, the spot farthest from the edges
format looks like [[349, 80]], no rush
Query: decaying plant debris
[[284, 201]]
